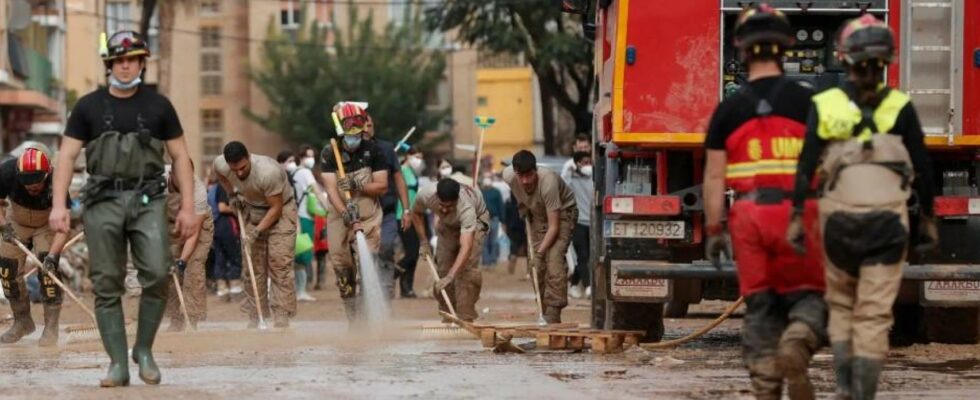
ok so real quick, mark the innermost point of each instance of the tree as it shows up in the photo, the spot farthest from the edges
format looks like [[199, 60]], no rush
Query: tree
[[551, 41], [303, 77]]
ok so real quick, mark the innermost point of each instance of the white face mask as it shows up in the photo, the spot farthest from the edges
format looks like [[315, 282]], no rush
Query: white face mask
[[586, 170], [445, 172], [291, 166], [416, 164], [487, 182], [308, 162], [125, 85]]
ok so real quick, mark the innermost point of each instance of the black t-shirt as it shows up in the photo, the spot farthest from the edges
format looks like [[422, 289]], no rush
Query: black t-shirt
[[389, 201], [792, 101], [146, 107], [367, 156], [11, 188]]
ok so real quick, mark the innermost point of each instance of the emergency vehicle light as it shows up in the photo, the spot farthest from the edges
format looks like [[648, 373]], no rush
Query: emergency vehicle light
[[642, 205]]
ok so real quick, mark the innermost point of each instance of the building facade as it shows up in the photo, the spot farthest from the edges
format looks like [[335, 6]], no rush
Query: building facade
[[31, 72]]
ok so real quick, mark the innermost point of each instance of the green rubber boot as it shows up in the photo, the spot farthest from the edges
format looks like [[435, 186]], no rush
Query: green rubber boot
[[150, 315], [112, 328], [864, 374], [842, 368]]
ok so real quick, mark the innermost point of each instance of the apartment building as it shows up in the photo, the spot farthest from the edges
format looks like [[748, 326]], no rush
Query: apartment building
[[214, 43], [31, 72]]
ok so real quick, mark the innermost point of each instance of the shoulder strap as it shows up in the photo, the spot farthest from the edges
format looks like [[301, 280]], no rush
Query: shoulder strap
[[763, 105]]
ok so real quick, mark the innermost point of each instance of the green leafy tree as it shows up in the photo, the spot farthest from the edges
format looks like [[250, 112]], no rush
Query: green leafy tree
[[303, 76], [551, 41]]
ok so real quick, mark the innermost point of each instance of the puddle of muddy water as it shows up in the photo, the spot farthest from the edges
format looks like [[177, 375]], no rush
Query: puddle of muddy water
[[949, 366]]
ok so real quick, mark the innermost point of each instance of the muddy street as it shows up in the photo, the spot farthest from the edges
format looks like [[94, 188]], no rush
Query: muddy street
[[316, 358]]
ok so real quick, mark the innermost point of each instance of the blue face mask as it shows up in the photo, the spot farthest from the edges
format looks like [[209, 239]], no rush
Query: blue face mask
[[124, 85], [352, 142]]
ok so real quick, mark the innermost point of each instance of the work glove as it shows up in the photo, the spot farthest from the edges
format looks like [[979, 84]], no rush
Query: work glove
[[178, 268], [50, 263], [7, 232], [236, 202], [928, 234], [795, 235], [444, 282], [717, 243], [252, 234], [425, 250], [352, 215], [349, 184]]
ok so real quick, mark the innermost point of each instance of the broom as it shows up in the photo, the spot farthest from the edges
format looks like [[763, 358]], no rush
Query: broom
[[251, 274], [82, 332]]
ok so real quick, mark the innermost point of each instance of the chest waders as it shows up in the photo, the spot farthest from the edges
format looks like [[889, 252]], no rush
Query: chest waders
[[124, 204], [864, 222]]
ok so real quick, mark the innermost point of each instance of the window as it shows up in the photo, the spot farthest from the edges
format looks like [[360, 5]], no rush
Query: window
[[212, 121], [212, 145], [118, 16], [290, 15], [210, 62], [210, 7], [210, 37], [211, 85], [153, 39]]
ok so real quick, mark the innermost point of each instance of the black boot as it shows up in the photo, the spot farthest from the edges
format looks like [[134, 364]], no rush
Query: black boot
[[112, 328], [23, 323], [150, 315], [842, 368], [49, 337], [864, 375]]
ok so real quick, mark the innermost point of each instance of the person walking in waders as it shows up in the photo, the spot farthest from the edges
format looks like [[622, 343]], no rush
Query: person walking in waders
[[124, 129]]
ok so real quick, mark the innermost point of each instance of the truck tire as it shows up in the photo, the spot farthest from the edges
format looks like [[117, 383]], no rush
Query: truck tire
[[636, 316], [676, 309]]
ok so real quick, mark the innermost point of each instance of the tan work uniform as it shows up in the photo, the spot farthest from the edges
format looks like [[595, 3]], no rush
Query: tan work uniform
[[273, 252], [30, 226], [192, 280], [550, 194], [469, 215], [359, 165]]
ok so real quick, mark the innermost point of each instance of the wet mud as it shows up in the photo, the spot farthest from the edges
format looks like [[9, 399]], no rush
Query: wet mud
[[318, 358]]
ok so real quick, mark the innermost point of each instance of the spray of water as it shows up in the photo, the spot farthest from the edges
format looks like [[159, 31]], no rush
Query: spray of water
[[375, 308]]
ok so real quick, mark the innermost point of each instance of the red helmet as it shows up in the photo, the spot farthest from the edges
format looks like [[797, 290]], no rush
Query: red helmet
[[866, 38], [353, 118], [33, 166]]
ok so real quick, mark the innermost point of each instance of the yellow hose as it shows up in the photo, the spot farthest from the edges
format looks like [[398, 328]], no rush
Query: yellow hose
[[707, 328]]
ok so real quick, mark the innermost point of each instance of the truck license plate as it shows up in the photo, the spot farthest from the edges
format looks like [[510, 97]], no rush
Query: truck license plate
[[647, 229], [952, 291]]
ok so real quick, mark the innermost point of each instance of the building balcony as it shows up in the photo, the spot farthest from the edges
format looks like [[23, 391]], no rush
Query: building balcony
[[29, 82]]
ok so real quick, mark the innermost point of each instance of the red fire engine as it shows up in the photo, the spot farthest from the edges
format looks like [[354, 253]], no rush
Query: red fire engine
[[662, 68]]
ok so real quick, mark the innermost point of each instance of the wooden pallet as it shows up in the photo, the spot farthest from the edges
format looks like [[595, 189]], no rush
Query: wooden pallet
[[490, 334], [567, 336], [599, 340]]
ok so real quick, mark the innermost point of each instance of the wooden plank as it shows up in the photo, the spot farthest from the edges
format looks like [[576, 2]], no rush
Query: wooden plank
[[599, 345], [543, 340], [576, 342], [615, 344], [557, 342], [488, 337]]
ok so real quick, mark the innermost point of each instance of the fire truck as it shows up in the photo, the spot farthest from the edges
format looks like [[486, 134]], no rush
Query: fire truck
[[662, 67]]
